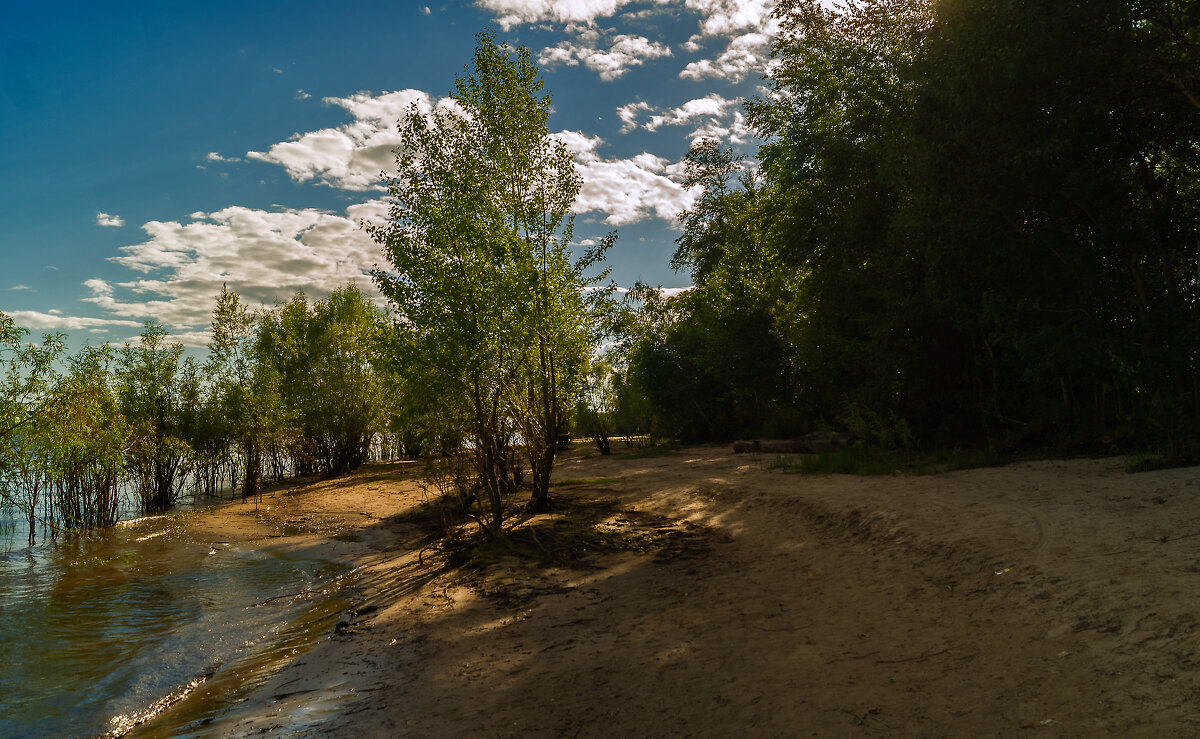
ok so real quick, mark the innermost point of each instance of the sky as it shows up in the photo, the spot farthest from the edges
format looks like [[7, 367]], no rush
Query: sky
[[150, 153]]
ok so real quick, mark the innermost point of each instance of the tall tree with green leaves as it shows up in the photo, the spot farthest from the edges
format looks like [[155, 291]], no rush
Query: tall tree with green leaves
[[237, 387], [318, 381], [153, 383], [86, 434], [487, 292], [28, 378]]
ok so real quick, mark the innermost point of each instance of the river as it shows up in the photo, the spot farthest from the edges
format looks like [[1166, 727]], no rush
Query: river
[[103, 631]]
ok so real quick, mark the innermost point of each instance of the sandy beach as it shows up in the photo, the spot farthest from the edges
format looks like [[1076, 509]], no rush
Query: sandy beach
[[702, 593]]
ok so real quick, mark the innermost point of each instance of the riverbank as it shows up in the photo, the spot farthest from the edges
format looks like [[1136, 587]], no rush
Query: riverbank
[[705, 593]]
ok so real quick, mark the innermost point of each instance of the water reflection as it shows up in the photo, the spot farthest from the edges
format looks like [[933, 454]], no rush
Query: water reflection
[[107, 624]]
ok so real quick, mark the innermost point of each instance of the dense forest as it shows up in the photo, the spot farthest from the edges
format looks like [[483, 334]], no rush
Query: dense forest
[[972, 223]]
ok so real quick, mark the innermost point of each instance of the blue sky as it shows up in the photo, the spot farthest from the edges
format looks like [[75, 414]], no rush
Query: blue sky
[[151, 153]]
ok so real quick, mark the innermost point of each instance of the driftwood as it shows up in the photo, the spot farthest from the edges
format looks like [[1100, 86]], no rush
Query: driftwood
[[807, 444]]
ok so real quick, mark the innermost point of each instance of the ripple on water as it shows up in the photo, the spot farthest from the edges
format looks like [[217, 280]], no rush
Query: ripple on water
[[116, 624]]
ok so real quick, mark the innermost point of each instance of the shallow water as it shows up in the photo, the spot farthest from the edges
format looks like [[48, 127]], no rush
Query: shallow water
[[101, 632]]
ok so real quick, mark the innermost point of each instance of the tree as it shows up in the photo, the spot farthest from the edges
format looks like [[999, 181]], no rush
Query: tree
[[487, 293], [85, 434], [595, 411], [238, 389], [318, 371], [28, 378], [153, 381]]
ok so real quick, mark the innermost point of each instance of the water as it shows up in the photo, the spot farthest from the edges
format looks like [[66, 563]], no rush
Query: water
[[103, 631]]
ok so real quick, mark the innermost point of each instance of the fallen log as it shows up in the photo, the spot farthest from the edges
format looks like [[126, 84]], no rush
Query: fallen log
[[807, 444]]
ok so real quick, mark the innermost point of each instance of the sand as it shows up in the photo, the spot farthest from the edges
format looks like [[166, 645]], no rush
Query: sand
[[702, 593]]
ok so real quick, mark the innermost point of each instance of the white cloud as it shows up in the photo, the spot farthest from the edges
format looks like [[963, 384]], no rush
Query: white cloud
[[748, 53], [426, 10], [625, 51], [213, 156], [104, 219], [510, 13], [20, 287], [349, 156], [263, 255], [736, 132], [710, 106], [198, 339], [55, 321], [729, 17], [718, 17], [716, 117], [629, 112], [626, 190], [301, 95], [748, 25]]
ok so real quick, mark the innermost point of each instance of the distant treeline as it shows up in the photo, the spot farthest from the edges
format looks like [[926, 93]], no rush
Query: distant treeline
[[298, 389], [975, 222]]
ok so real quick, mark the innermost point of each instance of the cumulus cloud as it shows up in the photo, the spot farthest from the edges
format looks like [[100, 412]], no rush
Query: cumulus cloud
[[20, 287], [105, 219], [748, 53], [735, 132], [629, 112], [747, 25], [730, 17], [350, 156], [626, 190], [709, 106], [509, 13], [717, 16], [263, 255], [56, 321], [716, 117], [624, 51]]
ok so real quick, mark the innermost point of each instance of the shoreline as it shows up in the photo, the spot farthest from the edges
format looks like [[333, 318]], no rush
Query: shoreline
[[702, 593]]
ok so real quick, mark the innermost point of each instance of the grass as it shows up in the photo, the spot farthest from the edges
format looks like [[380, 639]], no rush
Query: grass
[[1151, 461], [863, 460], [659, 450]]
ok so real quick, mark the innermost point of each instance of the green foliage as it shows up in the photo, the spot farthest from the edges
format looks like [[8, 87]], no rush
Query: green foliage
[[869, 460], [86, 442], [709, 364], [297, 389], [884, 432], [320, 388], [975, 223], [491, 308], [154, 385], [596, 411]]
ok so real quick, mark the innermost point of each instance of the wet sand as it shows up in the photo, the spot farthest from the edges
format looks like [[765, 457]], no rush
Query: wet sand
[[702, 593]]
